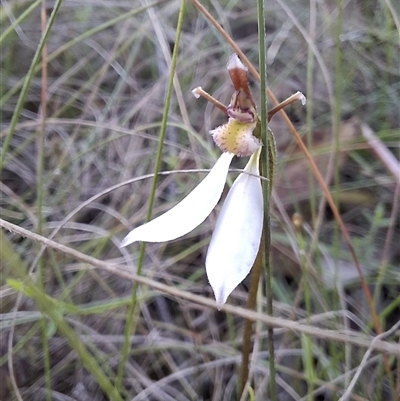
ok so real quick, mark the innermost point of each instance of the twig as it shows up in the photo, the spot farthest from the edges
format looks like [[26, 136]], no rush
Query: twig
[[124, 272]]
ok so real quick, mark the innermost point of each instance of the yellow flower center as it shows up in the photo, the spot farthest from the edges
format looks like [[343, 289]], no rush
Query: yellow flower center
[[236, 137]]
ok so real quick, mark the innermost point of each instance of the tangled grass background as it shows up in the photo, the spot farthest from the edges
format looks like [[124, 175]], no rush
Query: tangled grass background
[[92, 121]]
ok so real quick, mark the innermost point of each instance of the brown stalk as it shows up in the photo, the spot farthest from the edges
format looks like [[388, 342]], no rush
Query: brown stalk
[[199, 91], [291, 99], [248, 324]]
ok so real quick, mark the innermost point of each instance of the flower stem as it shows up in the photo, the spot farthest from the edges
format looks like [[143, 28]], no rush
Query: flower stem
[[267, 164], [265, 171]]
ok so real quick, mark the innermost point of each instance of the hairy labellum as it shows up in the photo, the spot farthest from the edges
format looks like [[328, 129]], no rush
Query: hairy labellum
[[236, 137]]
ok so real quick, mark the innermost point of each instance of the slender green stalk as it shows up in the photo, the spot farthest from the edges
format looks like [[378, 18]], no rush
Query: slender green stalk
[[27, 81], [306, 345], [265, 170], [40, 145], [336, 132], [132, 311], [256, 269], [337, 118], [309, 105]]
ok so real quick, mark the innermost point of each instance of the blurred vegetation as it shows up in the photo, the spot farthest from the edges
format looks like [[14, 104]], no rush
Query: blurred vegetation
[[107, 66]]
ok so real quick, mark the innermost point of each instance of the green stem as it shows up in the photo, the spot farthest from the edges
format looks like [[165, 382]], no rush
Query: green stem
[[335, 127], [40, 146], [309, 121], [265, 171], [132, 310], [337, 118]]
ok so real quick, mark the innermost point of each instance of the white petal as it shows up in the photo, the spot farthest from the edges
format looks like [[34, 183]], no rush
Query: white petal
[[236, 238], [190, 212]]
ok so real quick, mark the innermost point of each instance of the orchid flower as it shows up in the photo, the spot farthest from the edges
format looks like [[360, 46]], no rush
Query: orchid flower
[[236, 238]]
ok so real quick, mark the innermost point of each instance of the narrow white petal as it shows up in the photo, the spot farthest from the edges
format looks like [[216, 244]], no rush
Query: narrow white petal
[[236, 238], [190, 212]]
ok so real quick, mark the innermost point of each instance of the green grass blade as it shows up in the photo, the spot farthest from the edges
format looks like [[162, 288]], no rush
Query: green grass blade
[[158, 159]]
